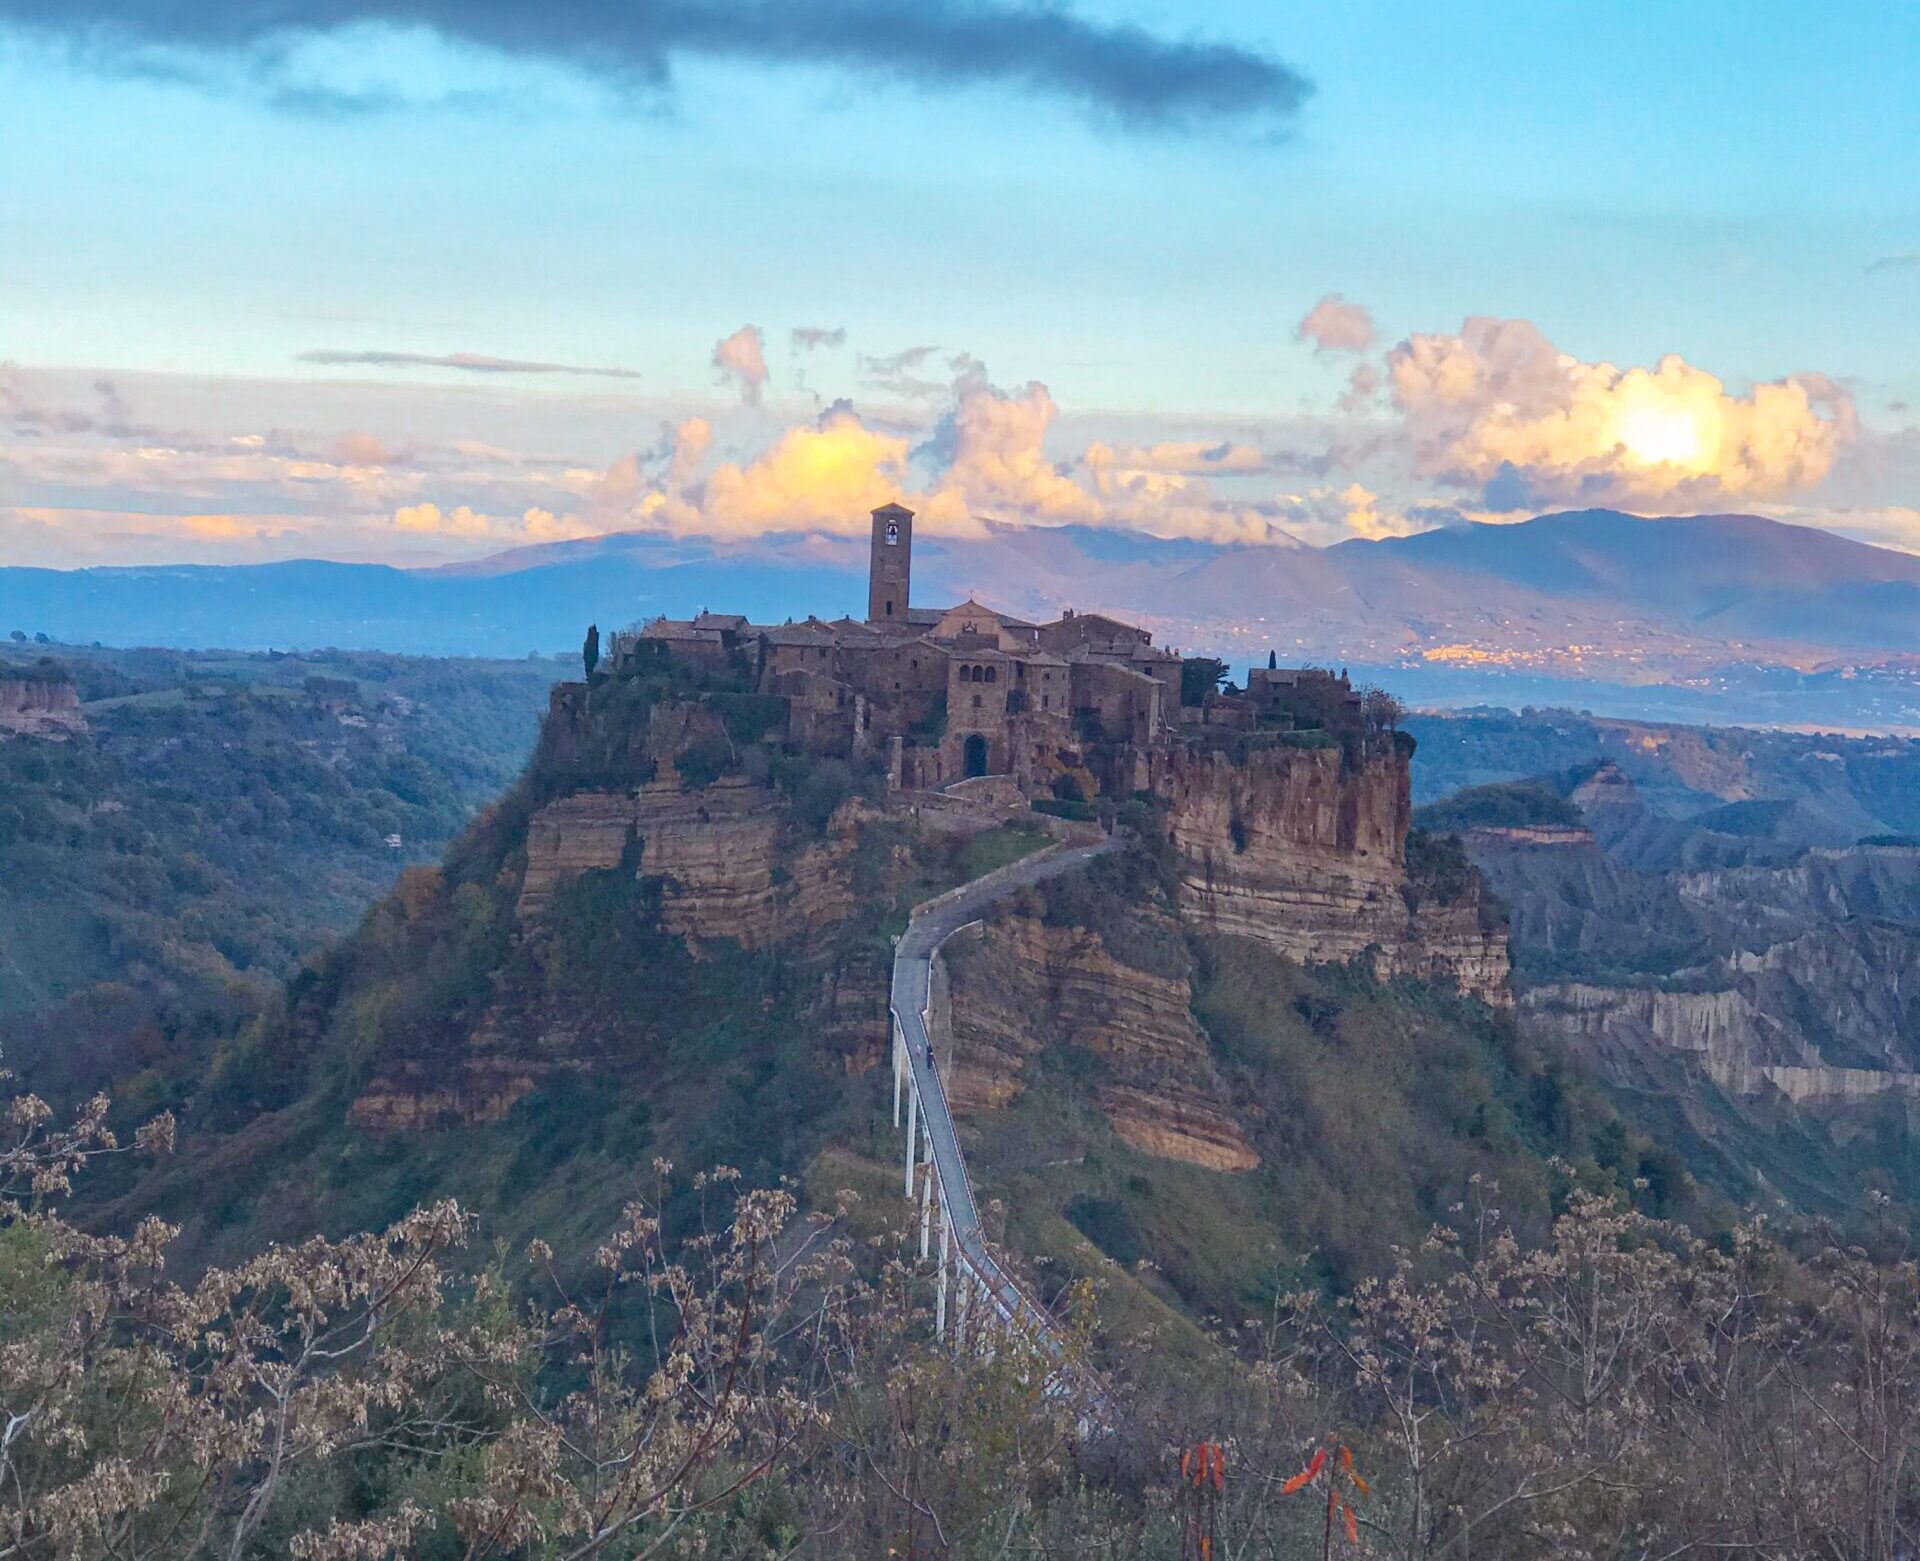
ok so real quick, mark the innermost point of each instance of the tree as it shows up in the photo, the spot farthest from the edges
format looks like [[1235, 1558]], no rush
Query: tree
[[1199, 677], [590, 651], [1273, 660]]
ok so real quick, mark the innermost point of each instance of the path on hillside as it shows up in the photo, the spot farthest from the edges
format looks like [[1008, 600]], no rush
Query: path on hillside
[[932, 924]]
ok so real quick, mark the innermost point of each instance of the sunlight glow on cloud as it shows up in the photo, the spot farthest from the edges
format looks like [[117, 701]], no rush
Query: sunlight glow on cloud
[[535, 525], [1490, 423], [1499, 407], [986, 460]]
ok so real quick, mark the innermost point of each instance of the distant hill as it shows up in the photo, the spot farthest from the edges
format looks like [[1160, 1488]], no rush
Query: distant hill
[[1729, 575], [1683, 617]]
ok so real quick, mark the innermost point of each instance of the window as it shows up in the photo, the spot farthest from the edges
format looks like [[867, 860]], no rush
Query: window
[[990, 674], [976, 701], [1046, 701], [893, 540], [889, 604]]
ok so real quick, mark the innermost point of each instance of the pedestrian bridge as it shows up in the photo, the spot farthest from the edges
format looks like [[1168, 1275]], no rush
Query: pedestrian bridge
[[974, 1296]]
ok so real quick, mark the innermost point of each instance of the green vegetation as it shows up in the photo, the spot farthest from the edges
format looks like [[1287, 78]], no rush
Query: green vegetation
[[1199, 677], [220, 816], [1539, 803], [1375, 1109]]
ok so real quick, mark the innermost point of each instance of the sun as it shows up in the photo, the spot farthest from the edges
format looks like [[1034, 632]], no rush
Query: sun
[[1664, 436]]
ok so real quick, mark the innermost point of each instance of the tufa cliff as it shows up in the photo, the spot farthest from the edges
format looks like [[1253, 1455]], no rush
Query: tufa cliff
[[1711, 942], [1306, 852], [39, 706], [1025, 985]]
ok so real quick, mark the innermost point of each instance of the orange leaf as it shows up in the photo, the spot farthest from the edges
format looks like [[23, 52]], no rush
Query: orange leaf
[[1346, 1456], [1317, 1463], [1297, 1483], [1365, 1488], [1353, 1528]]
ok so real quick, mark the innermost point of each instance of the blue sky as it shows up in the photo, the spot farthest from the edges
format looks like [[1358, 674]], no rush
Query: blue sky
[[1716, 181]]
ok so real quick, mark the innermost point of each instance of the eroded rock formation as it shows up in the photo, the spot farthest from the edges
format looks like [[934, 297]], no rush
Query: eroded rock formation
[[1026, 986], [1295, 851], [1801, 979], [724, 855], [39, 707]]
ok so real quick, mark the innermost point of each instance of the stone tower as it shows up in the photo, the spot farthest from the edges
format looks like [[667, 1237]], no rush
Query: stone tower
[[890, 567]]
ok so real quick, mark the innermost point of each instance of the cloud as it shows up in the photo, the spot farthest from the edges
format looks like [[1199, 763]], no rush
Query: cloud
[[469, 362], [893, 373], [987, 460], [28, 415], [1328, 515], [1910, 262], [806, 338], [1188, 457], [355, 448], [1336, 324], [533, 525], [1121, 73], [1500, 408], [1887, 525], [823, 477], [741, 361]]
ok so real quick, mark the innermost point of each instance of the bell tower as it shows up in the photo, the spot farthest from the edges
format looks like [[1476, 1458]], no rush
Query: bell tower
[[890, 565]]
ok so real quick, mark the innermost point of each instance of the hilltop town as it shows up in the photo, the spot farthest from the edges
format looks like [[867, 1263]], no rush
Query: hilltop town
[[946, 695]]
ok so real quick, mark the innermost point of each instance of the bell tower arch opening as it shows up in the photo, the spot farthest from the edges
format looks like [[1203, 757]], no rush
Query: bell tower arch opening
[[890, 565]]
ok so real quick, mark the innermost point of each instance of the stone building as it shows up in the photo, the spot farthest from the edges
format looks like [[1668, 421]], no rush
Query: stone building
[[945, 693]]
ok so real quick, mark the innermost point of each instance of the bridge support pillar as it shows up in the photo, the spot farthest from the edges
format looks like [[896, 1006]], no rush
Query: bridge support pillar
[[913, 1103], [926, 1198], [940, 1293], [899, 1069]]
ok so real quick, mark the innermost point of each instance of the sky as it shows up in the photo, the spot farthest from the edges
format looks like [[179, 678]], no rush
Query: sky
[[413, 280]]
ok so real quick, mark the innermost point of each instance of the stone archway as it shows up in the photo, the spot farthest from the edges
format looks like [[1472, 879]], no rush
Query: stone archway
[[975, 753]]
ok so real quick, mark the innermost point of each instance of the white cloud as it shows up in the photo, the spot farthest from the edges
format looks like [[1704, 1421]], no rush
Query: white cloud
[[1498, 406], [741, 361], [1327, 515], [1336, 324], [533, 525]]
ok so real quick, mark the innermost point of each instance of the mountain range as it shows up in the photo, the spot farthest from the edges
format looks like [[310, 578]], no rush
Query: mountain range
[[1655, 611]]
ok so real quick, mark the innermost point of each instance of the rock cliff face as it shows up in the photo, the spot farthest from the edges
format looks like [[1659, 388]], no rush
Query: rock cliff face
[[726, 867], [1288, 849], [39, 707], [1800, 980], [1027, 986], [1828, 1017]]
